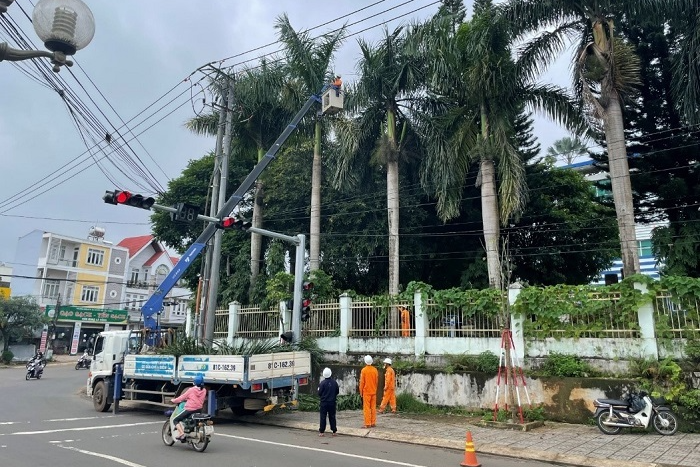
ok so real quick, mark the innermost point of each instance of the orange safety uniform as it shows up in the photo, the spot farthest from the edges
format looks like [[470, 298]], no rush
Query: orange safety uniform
[[405, 322], [369, 380], [389, 390], [337, 83]]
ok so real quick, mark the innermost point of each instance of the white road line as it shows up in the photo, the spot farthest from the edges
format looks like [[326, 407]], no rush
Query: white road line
[[356, 456], [8, 423], [83, 428], [104, 456], [74, 419]]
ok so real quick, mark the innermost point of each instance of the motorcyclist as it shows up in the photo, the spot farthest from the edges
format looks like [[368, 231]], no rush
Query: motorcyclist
[[38, 358], [194, 401]]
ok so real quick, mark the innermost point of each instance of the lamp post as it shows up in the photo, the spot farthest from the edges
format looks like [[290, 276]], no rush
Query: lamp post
[[65, 26]]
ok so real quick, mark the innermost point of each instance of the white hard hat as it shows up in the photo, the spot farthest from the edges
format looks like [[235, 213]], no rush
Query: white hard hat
[[368, 360], [326, 373], [387, 361]]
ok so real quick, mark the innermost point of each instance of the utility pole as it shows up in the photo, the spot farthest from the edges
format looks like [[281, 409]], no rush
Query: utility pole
[[52, 330], [216, 253]]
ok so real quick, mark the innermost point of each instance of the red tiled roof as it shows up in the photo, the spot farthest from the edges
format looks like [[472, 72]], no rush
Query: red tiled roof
[[174, 259], [135, 244], [153, 258]]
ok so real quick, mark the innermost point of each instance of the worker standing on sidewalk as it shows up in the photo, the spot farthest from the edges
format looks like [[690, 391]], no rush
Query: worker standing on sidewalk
[[389, 387], [369, 379], [328, 392]]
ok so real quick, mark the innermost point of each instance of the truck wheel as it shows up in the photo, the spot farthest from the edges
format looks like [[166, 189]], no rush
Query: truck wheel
[[100, 398]]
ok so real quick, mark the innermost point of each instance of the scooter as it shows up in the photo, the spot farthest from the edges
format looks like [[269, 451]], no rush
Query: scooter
[[84, 361], [35, 368], [198, 429], [637, 411]]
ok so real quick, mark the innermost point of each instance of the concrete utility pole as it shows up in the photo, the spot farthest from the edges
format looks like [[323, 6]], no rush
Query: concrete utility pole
[[216, 250], [213, 209]]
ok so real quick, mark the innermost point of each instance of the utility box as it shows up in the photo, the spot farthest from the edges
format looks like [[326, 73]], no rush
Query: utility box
[[331, 101]]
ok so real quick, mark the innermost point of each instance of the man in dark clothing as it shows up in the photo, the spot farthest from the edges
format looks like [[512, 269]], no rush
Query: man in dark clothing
[[328, 392]]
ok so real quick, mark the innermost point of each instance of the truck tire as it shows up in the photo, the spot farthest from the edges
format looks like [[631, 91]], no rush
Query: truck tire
[[100, 398]]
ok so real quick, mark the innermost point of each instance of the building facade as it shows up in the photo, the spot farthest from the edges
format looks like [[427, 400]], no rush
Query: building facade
[[94, 284], [149, 263], [5, 281]]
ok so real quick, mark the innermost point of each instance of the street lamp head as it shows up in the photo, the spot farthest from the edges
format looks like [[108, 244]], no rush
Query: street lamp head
[[64, 25]]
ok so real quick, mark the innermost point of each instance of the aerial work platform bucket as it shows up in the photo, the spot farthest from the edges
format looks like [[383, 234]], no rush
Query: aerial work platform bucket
[[331, 101]]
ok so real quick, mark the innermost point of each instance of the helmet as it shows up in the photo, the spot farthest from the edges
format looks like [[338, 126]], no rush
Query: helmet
[[387, 361], [368, 360], [326, 373], [198, 380]]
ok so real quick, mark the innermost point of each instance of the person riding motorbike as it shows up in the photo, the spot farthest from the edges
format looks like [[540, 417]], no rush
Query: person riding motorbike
[[194, 401]]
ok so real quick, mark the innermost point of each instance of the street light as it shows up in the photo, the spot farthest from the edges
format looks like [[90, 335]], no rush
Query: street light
[[65, 26]]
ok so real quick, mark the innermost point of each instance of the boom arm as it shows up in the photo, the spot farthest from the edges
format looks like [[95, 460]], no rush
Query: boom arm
[[155, 302]]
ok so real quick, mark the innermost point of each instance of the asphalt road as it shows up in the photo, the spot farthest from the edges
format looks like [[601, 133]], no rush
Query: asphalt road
[[49, 423]]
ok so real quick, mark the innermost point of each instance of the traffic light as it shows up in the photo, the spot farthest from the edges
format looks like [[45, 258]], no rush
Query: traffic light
[[286, 337], [186, 213], [307, 287], [233, 223], [125, 197]]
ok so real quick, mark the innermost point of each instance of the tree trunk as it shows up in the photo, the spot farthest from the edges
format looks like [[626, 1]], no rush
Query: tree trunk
[[315, 228], [621, 186], [256, 239], [392, 202], [490, 218]]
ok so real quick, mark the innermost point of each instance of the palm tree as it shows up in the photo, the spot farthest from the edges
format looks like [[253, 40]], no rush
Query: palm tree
[[309, 60], [567, 147], [685, 21], [261, 109], [375, 135], [479, 127], [605, 70]]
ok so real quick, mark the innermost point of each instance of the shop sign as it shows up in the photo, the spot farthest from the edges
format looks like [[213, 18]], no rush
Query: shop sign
[[75, 313]]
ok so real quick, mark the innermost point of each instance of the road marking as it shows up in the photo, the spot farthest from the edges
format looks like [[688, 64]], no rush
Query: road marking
[[356, 456], [104, 456], [83, 428], [74, 419], [8, 423]]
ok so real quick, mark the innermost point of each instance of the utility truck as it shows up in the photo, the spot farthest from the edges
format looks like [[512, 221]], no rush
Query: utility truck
[[121, 370], [245, 383]]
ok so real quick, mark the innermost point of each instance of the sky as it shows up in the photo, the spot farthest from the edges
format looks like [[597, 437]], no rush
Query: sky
[[139, 69]]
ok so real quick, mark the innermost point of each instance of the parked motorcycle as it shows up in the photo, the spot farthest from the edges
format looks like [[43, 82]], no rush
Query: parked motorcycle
[[84, 361], [198, 429], [637, 411], [35, 368]]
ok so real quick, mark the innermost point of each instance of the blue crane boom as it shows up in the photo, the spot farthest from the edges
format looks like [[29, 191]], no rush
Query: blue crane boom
[[155, 302]]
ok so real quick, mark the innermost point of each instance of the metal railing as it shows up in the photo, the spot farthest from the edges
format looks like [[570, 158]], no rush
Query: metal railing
[[674, 318], [324, 320], [255, 323], [370, 319], [459, 321]]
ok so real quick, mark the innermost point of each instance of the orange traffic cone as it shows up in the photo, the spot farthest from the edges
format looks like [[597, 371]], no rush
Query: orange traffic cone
[[470, 453]]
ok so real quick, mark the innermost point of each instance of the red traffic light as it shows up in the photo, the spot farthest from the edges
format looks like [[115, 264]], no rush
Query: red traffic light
[[122, 196], [308, 286], [233, 223]]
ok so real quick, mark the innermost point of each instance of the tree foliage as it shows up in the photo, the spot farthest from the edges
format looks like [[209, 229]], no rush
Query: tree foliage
[[19, 318]]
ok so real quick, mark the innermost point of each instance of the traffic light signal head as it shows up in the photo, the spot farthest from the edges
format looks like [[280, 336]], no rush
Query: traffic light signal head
[[308, 286], [287, 337], [306, 309], [125, 197], [233, 223]]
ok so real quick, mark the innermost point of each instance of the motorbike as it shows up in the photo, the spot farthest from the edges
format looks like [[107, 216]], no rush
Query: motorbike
[[84, 361], [35, 368], [198, 429], [638, 410]]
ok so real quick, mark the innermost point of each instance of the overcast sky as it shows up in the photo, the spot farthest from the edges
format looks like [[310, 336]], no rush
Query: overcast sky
[[142, 50]]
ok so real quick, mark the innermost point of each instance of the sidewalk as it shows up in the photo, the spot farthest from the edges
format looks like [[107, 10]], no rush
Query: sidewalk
[[580, 445]]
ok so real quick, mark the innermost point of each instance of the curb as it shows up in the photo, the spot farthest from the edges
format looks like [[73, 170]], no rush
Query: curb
[[492, 449]]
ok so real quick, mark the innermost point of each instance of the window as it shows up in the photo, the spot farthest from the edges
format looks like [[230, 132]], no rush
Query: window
[[90, 293], [51, 289], [645, 248], [95, 257], [134, 276]]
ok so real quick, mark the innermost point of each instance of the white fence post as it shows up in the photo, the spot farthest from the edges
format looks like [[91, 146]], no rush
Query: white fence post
[[647, 331], [516, 323], [233, 309], [286, 317], [345, 323], [421, 324]]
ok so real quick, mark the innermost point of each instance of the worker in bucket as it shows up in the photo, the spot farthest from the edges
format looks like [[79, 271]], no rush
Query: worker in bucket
[[389, 388], [369, 378], [194, 401], [336, 84]]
